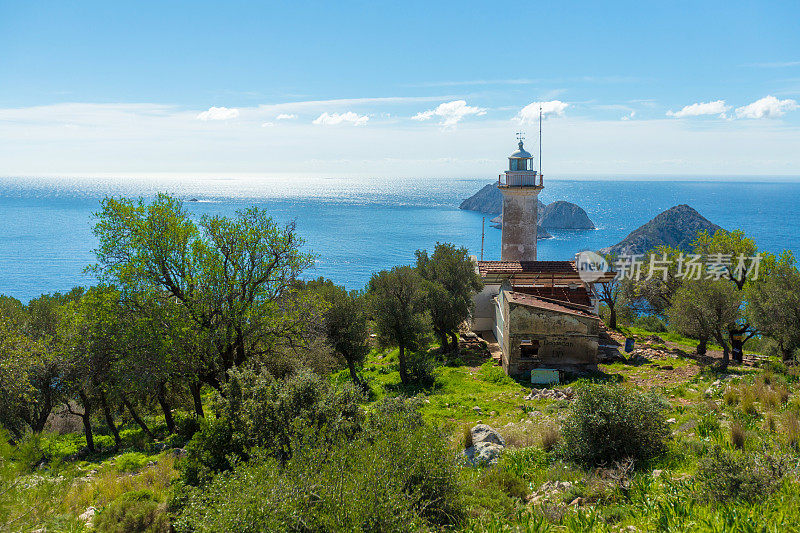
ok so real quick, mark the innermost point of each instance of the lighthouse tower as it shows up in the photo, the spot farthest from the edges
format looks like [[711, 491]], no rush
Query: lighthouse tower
[[520, 206]]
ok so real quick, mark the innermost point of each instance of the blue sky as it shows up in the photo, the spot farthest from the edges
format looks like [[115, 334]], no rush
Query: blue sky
[[412, 88]]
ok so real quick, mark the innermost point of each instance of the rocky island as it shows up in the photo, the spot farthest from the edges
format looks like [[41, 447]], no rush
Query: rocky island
[[676, 227], [557, 215]]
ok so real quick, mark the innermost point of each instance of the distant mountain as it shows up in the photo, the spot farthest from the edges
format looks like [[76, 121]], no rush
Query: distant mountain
[[676, 227], [557, 215]]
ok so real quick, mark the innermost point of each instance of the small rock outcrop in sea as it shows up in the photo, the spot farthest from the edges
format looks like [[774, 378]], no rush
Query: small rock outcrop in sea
[[564, 215], [557, 215], [487, 445], [676, 227]]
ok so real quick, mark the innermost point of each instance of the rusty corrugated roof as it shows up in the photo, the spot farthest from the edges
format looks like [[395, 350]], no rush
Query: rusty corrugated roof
[[578, 295], [532, 301], [527, 267]]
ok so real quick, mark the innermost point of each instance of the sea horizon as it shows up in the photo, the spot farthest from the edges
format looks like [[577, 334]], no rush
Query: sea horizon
[[357, 226]]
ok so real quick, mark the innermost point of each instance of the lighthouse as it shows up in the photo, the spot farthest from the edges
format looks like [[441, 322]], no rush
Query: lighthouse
[[520, 191]]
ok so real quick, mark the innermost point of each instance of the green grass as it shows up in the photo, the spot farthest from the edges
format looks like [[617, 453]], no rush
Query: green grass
[[670, 502]]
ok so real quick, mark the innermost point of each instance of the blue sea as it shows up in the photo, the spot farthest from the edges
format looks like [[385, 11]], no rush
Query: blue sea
[[359, 226]]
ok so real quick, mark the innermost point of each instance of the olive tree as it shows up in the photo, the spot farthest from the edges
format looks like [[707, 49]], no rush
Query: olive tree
[[452, 281], [706, 308], [727, 247], [345, 323], [397, 299], [773, 305], [233, 277]]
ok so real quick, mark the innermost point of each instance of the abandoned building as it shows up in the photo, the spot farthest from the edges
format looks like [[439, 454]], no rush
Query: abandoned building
[[541, 314]]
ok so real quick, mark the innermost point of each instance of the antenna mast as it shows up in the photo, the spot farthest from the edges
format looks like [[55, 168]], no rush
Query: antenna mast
[[483, 233], [540, 139]]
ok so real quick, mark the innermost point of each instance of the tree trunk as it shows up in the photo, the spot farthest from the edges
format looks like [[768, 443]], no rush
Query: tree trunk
[[612, 317], [737, 349], [351, 365], [87, 421], [737, 343], [403, 368], [442, 338], [198, 401], [454, 342], [726, 357], [702, 346], [788, 354], [162, 401], [40, 419], [137, 418], [109, 418]]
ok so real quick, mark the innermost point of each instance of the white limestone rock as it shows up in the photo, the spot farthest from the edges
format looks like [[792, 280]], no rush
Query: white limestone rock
[[483, 453], [486, 433]]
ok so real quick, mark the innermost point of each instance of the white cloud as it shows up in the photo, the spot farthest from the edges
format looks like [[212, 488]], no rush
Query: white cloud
[[716, 107], [218, 113], [629, 116], [267, 124], [450, 112], [110, 138], [286, 116], [331, 119], [767, 107], [530, 113]]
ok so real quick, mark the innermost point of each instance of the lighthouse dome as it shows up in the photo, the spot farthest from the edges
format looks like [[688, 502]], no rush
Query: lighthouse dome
[[521, 153]]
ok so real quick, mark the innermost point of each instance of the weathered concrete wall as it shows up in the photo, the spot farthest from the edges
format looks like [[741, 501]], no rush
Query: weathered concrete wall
[[565, 341], [484, 317], [520, 215], [500, 330]]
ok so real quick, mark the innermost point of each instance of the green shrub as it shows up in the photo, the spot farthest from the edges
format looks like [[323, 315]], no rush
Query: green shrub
[[57, 447], [727, 475], [133, 512], [738, 435], [607, 423], [26, 505], [504, 480], [550, 437], [130, 462], [186, 425], [174, 441], [650, 323], [491, 373], [133, 437], [420, 367], [396, 475], [275, 415], [103, 442], [708, 425]]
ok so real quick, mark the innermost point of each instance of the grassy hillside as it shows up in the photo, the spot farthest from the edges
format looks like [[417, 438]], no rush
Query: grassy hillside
[[748, 413]]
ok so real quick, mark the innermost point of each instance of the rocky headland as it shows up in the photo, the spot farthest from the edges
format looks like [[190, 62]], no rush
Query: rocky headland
[[676, 227]]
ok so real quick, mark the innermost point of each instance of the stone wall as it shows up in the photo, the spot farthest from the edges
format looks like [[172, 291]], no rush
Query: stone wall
[[520, 215], [563, 340]]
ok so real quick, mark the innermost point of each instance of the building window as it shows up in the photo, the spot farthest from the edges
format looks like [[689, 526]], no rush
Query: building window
[[529, 349]]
